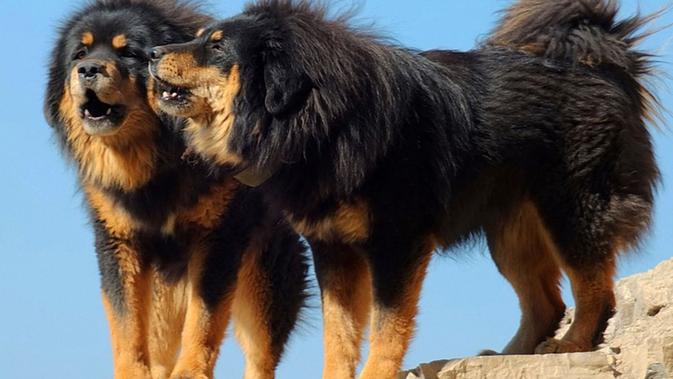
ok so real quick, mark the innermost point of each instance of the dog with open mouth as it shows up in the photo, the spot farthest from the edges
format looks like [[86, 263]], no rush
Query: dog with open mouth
[[379, 155], [181, 249]]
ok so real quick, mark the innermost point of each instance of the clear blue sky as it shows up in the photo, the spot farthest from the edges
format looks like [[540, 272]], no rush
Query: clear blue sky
[[51, 318]]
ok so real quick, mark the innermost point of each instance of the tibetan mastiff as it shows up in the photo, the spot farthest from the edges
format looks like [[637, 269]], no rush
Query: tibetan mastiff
[[181, 250], [380, 155]]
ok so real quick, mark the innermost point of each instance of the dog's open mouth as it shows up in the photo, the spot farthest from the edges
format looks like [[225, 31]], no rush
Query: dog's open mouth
[[100, 117], [172, 94]]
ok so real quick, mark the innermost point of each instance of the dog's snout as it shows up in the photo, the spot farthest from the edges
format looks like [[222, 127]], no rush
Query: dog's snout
[[156, 53], [89, 70]]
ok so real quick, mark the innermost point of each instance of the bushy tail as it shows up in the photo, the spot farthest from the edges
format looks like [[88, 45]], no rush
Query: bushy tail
[[584, 31]]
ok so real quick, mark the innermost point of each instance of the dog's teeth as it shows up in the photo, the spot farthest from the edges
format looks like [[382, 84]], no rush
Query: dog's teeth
[[174, 94], [165, 95], [109, 111], [87, 113]]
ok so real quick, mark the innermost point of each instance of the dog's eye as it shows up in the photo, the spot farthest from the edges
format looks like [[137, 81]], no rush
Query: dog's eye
[[79, 54]]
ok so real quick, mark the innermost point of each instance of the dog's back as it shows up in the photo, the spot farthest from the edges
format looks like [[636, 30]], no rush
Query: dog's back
[[566, 170]]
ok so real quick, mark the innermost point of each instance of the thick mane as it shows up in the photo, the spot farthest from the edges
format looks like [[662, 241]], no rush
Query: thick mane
[[363, 92], [186, 15]]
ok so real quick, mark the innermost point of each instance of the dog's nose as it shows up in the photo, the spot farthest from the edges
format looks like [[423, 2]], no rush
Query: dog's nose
[[89, 70], [156, 53]]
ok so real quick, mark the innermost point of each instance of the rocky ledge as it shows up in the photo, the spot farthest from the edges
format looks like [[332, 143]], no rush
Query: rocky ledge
[[638, 342]]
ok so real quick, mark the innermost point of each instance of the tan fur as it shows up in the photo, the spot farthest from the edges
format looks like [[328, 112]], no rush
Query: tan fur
[[210, 113], [527, 256], [128, 329], [217, 36], [524, 252], [250, 313], [210, 207], [117, 221], [125, 159], [199, 32], [392, 328], [346, 303], [87, 39], [593, 291], [182, 69], [119, 41], [151, 95], [349, 223], [167, 315], [209, 132], [203, 329], [169, 225]]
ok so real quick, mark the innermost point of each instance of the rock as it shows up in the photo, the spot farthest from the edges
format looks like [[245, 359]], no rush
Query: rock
[[638, 342]]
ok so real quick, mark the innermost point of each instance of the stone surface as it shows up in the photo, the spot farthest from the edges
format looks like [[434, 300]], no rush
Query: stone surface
[[638, 342]]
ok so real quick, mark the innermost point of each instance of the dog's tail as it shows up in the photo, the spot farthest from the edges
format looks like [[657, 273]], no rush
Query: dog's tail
[[584, 31]]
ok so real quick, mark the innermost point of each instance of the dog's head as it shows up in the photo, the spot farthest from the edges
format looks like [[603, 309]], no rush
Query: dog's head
[[97, 91], [281, 86], [238, 84]]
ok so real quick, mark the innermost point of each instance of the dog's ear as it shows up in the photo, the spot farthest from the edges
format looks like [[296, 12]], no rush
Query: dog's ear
[[287, 87], [55, 86]]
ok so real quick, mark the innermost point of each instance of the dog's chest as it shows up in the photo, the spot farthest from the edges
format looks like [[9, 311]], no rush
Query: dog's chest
[[177, 208]]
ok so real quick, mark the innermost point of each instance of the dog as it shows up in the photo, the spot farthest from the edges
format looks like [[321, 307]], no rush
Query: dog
[[379, 155], [181, 250]]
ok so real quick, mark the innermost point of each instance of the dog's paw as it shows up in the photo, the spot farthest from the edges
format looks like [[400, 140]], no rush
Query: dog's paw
[[555, 346]]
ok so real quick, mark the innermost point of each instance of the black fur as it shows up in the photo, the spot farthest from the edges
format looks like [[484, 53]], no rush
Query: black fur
[[447, 143], [391, 124], [388, 123]]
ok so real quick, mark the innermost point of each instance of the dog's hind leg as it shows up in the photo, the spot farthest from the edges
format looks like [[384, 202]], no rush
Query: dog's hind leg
[[524, 253], [591, 231], [595, 302], [345, 287], [398, 269]]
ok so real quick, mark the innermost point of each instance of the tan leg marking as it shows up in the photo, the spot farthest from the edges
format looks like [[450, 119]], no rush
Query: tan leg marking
[[169, 305], [204, 328], [128, 329], [593, 290], [524, 253], [250, 312], [346, 303], [393, 328]]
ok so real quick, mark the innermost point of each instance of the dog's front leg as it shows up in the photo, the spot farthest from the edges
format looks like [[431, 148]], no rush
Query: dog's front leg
[[398, 268], [211, 286], [126, 290]]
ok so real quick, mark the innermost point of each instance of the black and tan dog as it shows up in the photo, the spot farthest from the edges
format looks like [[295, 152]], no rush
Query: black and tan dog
[[380, 155], [180, 251]]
